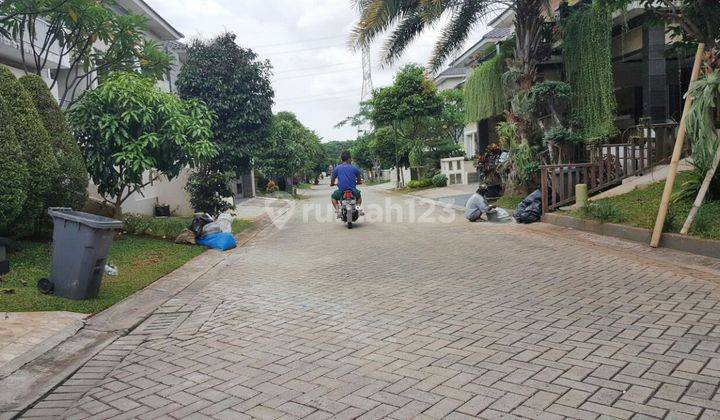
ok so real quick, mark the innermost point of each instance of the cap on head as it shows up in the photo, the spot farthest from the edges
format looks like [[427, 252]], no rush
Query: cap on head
[[345, 156]]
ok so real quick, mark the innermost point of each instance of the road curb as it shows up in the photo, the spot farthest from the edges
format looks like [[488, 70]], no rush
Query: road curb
[[36, 375], [674, 241]]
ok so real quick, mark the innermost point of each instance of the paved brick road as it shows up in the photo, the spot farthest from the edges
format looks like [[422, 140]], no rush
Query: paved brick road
[[410, 320]]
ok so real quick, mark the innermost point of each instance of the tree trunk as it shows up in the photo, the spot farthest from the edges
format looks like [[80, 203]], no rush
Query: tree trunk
[[117, 214]]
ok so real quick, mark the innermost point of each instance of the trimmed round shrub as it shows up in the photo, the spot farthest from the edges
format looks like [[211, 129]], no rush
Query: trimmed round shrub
[[37, 152], [440, 180], [422, 183], [209, 191], [13, 173], [71, 180]]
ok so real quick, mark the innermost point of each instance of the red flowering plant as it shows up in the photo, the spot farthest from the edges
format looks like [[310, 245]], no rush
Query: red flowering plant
[[488, 163]]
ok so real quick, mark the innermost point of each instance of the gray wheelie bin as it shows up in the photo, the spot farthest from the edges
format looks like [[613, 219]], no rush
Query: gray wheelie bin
[[81, 242]]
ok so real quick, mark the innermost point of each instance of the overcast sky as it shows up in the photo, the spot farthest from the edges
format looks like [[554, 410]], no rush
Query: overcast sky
[[315, 75]]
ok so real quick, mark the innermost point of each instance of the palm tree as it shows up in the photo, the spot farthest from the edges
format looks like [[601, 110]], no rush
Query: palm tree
[[406, 19]]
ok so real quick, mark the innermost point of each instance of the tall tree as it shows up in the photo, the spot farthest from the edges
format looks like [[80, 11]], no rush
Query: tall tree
[[293, 150], [85, 39], [407, 107], [235, 84]]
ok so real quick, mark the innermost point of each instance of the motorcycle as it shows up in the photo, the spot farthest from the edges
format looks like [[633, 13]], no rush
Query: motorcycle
[[348, 208]]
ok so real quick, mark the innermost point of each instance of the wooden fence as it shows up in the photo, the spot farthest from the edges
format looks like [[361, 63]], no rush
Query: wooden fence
[[644, 148]]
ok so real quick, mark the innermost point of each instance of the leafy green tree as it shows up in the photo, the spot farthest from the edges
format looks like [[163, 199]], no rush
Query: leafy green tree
[[37, 152], [235, 84], [362, 152], [290, 148], [67, 32], [450, 124], [333, 149], [407, 107], [70, 182], [127, 129], [390, 149], [13, 173]]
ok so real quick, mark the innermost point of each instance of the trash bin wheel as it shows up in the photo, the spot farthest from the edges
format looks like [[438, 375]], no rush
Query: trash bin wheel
[[45, 286]]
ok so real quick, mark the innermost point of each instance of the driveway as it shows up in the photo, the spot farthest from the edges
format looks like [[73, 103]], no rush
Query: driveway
[[424, 315]]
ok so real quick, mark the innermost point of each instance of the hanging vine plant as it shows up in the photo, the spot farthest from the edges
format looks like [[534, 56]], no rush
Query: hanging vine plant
[[588, 67], [483, 93]]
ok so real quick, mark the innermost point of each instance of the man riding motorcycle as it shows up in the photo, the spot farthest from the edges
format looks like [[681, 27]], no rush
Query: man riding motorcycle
[[347, 176]]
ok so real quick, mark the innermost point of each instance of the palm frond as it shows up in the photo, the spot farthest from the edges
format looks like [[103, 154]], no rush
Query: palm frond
[[464, 16], [406, 31], [377, 16]]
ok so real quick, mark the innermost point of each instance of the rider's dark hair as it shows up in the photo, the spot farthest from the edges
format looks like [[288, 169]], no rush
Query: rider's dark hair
[[345, 156], [482, 191]]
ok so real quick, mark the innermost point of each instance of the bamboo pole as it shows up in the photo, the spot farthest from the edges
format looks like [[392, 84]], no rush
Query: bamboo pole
[[677, 152], [701, 195]]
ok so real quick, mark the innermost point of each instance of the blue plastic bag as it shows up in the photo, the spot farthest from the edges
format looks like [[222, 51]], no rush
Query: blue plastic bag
[[221, 241]]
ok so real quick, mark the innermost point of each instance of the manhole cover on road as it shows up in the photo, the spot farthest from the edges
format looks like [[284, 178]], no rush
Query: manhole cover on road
[[160, 324]]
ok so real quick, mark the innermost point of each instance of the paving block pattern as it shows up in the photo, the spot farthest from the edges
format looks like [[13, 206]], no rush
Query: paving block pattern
[[417, 320]]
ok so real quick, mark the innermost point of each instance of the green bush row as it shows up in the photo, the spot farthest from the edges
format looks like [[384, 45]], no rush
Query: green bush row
[[437, 180], [40, 163], [159, 227], [422, 183]]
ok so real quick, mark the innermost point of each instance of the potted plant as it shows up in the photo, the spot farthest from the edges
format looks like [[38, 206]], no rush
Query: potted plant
[[487, 165], [162, 210]]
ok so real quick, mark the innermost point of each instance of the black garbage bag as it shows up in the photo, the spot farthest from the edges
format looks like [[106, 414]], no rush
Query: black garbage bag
[[199, 221], [530, 209]]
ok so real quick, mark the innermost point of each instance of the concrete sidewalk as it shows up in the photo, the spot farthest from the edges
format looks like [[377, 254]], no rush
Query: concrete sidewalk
[[36, 372]]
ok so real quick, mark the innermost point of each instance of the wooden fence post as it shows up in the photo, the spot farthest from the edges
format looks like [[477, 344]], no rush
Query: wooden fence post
[[677, 152]]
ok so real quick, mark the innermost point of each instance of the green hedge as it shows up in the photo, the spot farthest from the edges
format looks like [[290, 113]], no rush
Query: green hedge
[[422, 183], [13, 173], [483, 93], [38, 155], [71, 180], [167, 228], [440, 180]]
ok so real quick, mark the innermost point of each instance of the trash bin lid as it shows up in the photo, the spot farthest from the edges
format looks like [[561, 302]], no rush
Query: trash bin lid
[[92, 220]]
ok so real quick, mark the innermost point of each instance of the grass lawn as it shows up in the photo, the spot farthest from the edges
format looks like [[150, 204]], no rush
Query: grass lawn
[[639, 208], [508, 202], [140, 261]]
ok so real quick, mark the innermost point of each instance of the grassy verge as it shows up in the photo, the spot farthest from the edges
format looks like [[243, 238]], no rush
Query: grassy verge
[[238, 225], [303, 186], [508, 202], [159, 227], [140, 262], [167, 227], [639, 208]]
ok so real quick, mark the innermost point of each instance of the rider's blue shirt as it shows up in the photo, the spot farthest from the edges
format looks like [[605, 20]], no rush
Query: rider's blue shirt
[[346, 175]]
